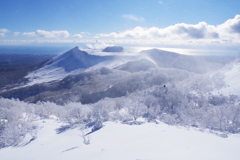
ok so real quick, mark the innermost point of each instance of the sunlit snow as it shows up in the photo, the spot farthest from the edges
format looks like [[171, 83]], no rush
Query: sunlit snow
[[129, 142]]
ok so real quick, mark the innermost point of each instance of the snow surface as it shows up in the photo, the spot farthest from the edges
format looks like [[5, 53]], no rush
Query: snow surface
[[117, 141]]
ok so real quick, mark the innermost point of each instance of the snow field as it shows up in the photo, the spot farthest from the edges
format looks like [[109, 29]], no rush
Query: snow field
[[118, 141]]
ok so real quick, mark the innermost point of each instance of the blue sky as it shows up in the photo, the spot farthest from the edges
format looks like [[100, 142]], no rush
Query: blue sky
[[163, 22]]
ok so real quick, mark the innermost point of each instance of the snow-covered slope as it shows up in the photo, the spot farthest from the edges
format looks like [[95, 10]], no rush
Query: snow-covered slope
[[136, 66], [116, 141], [67, 63], [231, 73], [75, 61]]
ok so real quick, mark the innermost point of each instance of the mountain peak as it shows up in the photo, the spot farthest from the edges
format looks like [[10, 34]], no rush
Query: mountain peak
[[159, 51], [75, 59], [74, 53], [113, 49], [75, 49]]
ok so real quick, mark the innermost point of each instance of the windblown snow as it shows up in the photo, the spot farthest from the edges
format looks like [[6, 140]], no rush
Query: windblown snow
[[76, 60]]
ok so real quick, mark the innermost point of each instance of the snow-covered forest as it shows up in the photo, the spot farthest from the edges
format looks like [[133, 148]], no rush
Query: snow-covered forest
[[118, 89]]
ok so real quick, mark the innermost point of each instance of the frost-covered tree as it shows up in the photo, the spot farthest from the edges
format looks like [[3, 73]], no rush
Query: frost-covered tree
[[14, 122]]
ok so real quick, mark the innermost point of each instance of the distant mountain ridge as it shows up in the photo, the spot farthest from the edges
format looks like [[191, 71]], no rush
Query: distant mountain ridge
[[79, 76], [113, 49], [138, 65], [76, 59]]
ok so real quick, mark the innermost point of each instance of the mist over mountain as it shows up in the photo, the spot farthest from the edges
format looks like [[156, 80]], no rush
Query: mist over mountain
[[137, 66], [77, 76], [65, 64], [75, 59], [173, 60]]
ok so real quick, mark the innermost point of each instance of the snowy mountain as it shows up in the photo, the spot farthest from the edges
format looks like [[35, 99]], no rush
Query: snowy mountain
[[113, 49], [67, 63], [77, 76], [75, 61], [137, 66], [173, 60]]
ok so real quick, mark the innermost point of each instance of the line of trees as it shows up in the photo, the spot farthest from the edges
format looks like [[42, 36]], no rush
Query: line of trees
[[175, 107]]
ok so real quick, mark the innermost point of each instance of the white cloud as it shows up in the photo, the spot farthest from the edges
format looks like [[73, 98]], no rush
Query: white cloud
[[77, 36], [52, 34], [227, 33], [48, 34], [3, 32], [231, 26], [85, 33], [29, 34], [16, 34], [98, 45], [186, 31], [81, 35], [182, 33], [133, 18]]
